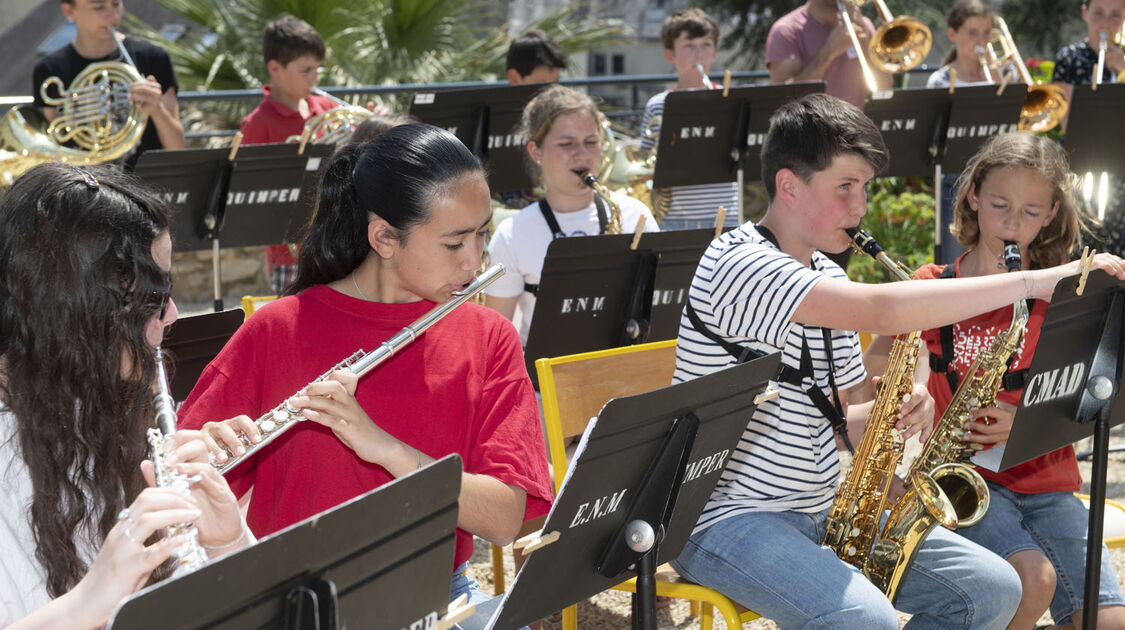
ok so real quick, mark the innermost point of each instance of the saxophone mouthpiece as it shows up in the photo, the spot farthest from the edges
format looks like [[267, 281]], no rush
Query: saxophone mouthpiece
[[588, 178], [1012, 259], [864, 242]]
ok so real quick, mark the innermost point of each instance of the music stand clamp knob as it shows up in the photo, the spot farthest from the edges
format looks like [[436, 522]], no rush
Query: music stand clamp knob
[[640, 536], [1100, 387]]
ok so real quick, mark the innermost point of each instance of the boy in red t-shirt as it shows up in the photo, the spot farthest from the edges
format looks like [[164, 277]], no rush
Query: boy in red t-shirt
[[293, 52]]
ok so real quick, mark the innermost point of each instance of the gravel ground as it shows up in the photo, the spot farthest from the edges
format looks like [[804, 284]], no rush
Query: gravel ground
[[610, 610]]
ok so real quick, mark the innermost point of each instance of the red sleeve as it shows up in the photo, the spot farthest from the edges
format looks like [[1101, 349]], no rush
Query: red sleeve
[[255, 128], [509, 444]]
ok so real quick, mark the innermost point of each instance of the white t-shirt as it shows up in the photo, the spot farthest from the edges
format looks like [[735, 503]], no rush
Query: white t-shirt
[[521, 242], [23, 581], [746, 291], [691, 203]]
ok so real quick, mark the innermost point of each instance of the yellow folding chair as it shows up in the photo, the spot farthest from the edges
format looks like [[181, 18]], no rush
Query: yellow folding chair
[[251, 303], [575, 388], [1113, 523]]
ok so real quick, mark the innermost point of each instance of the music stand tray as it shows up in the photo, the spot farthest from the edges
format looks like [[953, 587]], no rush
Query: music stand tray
[[1073, 390], [596, 292], [654, 456], [185, 179], [703, 134], [381, 560]]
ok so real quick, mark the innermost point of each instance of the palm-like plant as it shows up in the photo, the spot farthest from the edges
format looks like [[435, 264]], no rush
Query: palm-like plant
[[368, 42]]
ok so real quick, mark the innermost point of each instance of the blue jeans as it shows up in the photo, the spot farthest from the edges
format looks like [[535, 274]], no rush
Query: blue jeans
[[773, 563], [486, 604], [1054, 523]]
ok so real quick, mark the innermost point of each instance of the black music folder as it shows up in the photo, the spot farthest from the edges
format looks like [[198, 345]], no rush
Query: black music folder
[[266, 195], [595, 292], [1095, 129], [381, 560], [192, 342], [1073, 390], [485, 120], [651, 458], [705, 137]]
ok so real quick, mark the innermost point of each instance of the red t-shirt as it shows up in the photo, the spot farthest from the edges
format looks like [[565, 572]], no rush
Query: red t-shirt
[[271, 121], [460, 387], [1055, 471]]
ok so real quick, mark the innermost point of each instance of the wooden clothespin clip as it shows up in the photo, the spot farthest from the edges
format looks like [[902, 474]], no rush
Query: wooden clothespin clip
[[1003, 84], [720, 220], [459, 610], [952, 79], [637, 232], [1084, 268], [769, 394], [726, 83], [534, 541], [305, 136], [235, 143]]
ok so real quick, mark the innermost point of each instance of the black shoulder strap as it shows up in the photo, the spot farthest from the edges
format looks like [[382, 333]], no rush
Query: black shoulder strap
[[943, 363], [833, 410], [556, 230]]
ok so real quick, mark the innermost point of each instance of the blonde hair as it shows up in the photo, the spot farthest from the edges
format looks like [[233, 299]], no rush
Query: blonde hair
[[1053, 245], [540, 113]]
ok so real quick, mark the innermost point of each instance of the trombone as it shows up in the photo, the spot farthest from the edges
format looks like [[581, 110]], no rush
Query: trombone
[[897, 46], [1046, 104]]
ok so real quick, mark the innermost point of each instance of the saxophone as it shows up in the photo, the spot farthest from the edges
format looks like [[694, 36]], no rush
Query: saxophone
[[852, 528], [613, 225], [942, 460]]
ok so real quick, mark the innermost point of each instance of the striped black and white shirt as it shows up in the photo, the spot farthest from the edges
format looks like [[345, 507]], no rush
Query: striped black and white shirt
[[746, 290], [691, 203]]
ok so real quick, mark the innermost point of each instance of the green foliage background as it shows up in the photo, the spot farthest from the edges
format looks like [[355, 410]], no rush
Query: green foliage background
[[900, 216]]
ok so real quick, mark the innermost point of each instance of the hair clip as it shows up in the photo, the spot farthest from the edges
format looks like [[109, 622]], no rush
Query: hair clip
[[87, 178]]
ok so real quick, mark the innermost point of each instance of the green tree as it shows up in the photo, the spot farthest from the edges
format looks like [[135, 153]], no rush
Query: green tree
[[368, 42]]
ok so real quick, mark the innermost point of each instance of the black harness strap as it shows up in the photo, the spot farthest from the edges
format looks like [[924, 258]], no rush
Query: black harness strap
[[832, 409], [1013, 380], [556, 231]]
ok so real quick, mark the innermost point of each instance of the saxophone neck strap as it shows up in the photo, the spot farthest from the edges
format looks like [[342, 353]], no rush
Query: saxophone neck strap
[[832, 409], [556, 230]]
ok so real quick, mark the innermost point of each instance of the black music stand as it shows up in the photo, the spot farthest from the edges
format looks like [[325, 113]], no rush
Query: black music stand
[[1073, 390], [193, 341], [596, 292], [1095, 118], [383, 559], [485, 120], [705, 136], [643, 472], [263, 195]]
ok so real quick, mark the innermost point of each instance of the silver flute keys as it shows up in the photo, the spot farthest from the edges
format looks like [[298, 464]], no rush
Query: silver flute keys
[[189, 555]]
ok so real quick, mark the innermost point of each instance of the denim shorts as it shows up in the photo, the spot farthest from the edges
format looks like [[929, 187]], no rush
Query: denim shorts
[[1054, 523], [774, 564]]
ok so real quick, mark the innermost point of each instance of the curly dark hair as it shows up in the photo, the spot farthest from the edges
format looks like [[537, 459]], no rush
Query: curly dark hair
[[78, 284]]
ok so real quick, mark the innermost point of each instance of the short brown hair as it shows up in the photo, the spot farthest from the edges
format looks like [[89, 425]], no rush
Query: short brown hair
[[1053, 245], [807, 134], [692, 21], [289, 37]]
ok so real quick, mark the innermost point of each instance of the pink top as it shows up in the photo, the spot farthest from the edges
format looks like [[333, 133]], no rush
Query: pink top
[[798, 36]]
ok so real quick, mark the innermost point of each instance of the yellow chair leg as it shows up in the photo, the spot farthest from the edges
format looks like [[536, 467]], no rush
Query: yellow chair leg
[[570, 618], [497, 570], [694, 608], [706, 620]]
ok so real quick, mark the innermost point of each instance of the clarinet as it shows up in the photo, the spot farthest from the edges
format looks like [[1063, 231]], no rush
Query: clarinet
[[188, 555]]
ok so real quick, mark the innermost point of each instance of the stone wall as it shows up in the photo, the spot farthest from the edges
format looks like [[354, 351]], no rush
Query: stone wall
[[243, 272]]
